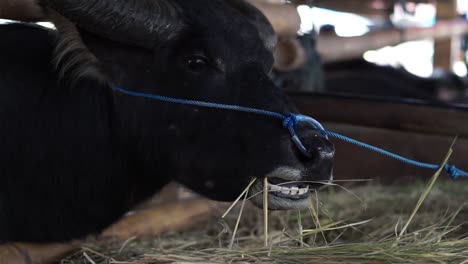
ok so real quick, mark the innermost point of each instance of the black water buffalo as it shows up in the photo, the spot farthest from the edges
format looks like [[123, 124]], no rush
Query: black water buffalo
[[75, 154], [358, 76]]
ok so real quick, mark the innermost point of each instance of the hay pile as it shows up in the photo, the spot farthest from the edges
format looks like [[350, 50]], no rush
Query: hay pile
[[361, 225]]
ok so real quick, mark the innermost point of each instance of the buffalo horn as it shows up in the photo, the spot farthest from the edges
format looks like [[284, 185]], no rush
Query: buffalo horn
[[143, 23]]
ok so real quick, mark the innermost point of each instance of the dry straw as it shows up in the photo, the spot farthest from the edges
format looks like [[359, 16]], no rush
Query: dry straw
[[431, 234], [265, 210]]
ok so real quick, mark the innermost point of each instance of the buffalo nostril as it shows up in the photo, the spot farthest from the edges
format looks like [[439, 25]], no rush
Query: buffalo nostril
[[316, 149]]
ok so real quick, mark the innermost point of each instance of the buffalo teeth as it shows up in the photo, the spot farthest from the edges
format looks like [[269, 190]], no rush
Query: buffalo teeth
[[294, 190], [288, 190], [274, 188]]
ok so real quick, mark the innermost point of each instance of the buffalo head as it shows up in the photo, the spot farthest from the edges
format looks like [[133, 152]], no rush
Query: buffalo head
[[210, 50]]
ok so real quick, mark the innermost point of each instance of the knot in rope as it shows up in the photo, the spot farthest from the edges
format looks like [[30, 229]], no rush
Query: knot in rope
[[289, 121], [453, 171]]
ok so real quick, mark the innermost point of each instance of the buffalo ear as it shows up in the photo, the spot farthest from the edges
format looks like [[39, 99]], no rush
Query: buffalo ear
[[256, 17]]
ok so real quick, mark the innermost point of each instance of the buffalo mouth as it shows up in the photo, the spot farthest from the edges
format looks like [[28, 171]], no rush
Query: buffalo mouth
[[286, 190]]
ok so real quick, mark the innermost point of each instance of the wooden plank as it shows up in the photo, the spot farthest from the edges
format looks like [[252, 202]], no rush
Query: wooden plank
[[154, 221], [23, 253], [362, 7], [352, 162], [411, 116], [413, 129]]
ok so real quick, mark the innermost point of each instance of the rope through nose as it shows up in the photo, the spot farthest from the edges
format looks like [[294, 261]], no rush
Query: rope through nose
[[290, 121]]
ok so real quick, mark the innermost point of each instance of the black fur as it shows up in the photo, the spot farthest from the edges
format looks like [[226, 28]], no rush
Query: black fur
[[75, 159]]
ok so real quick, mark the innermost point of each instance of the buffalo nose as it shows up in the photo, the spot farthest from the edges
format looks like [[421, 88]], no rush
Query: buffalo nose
[[318, 149]]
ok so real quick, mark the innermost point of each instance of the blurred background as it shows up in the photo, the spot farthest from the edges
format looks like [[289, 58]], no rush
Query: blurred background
[[424, 38], [392, 73]]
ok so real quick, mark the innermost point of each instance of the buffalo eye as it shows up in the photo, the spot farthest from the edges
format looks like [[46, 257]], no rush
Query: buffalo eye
[[197, 63]]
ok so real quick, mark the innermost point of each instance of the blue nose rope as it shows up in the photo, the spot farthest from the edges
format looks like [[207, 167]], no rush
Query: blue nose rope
[[290, 121]]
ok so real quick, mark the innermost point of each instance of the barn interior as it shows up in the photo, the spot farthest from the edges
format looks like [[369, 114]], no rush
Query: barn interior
[[387, 72], [391, 73]]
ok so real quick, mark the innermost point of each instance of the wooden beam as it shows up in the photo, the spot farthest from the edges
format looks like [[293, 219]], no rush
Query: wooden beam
[[334, 48], [362, 7], [154, 221], [414, 130], [410, 116], [26, 253], [352, 162]]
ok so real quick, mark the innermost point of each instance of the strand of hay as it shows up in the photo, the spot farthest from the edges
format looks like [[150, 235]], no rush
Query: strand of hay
[[246, 190], [427, 190], [300, 227], [265, 209], [315, 216], [238, 219]]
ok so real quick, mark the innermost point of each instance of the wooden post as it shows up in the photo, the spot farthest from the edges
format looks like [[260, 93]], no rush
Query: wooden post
[[283, 17], [446, 51]]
